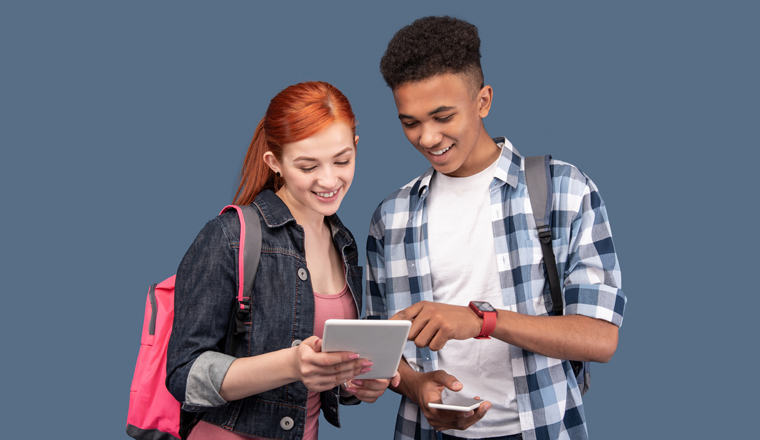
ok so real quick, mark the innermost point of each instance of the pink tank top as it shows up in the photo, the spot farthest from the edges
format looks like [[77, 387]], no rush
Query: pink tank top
[[340, 306]]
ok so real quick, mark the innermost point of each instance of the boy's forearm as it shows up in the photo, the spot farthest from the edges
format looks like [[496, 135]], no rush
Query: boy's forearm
[[574, 337]]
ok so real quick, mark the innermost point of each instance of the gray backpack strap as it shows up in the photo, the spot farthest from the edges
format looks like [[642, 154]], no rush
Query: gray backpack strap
[[538, 181], [252, 249], [539, 189]]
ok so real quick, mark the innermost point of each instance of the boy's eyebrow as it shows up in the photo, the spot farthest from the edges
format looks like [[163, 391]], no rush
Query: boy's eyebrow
[[311, 159], [442, 108]]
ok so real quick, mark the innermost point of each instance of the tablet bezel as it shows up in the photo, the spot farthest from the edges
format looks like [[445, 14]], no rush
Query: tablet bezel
[[380, 341]]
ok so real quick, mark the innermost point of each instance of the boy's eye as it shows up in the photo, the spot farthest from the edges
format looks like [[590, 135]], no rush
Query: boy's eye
[[410, 124], [445, 118]]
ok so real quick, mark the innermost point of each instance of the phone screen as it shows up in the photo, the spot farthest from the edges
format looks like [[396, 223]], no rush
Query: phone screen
[[456, 400]]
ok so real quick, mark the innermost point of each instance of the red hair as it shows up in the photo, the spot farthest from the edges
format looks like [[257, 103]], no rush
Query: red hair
[[296, 113]]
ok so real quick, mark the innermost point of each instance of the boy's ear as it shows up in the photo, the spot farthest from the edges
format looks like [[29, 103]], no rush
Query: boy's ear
[[485, 99]]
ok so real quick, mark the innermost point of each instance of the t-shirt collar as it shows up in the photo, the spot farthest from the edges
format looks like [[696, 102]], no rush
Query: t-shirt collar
[[507, 170]]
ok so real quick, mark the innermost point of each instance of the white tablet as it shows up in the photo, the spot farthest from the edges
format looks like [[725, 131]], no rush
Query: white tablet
[[380, 341]]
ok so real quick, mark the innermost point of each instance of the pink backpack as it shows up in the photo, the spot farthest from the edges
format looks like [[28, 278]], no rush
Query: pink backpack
[[154, 414]]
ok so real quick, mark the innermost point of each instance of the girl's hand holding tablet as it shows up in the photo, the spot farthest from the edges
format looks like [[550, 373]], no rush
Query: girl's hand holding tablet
[[369, 390], [324, 371]]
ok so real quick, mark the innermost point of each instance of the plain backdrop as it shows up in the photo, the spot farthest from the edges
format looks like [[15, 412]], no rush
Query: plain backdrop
[[123, 127]]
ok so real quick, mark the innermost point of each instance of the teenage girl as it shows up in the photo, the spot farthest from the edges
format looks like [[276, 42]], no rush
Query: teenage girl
[[271, 381]]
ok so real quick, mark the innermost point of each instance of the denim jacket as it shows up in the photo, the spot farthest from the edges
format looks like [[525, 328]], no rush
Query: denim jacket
[[282, 315]]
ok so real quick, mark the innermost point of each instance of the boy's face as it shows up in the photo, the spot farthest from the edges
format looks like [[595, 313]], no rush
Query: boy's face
[[442, 119]]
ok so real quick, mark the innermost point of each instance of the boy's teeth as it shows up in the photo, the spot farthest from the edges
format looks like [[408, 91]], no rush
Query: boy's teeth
[[439, 152], [327, 195]]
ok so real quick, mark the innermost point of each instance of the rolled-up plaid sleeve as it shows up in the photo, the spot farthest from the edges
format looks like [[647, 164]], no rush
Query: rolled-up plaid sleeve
[[592, 276]]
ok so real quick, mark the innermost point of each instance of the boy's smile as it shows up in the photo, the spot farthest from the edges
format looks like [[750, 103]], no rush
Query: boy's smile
[[443, 121]]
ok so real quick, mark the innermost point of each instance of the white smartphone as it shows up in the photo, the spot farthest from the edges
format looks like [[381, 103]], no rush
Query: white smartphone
[[455, 402]]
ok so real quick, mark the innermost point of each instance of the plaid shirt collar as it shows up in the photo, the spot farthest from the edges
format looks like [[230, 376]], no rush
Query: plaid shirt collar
[[507, 171]]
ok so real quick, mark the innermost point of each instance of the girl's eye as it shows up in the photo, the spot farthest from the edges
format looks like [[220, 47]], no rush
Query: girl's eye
[[308, 170], [343, 163]]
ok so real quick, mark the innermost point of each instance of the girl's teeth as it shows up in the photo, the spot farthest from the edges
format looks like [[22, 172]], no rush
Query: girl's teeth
[[327, 195]]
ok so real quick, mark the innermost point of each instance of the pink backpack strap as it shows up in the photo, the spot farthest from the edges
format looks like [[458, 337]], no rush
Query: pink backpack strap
[[249, 255]]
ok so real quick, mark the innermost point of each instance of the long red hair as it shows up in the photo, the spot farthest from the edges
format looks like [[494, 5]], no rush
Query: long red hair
[[296, 113]]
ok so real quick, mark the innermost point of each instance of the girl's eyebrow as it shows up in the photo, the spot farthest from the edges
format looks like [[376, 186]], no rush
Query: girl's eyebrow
[[343, 151], [311, 159]]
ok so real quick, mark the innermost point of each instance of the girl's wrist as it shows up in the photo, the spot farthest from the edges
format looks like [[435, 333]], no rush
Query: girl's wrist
[[293, 364]]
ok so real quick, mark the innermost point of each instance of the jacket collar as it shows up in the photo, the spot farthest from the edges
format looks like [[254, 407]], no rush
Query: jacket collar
[[276, 213]]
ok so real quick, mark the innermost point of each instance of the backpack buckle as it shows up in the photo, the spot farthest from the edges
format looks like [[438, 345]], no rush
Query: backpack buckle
[[240, 316], [544, 234]]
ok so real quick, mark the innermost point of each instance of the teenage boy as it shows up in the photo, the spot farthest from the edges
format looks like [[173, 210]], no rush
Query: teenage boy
[[463, 231]]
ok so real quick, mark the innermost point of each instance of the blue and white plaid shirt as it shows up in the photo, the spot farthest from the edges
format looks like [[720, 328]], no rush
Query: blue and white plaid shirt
[[398, 275]]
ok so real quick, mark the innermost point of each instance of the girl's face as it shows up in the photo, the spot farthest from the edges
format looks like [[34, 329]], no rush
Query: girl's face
[[317, 170]]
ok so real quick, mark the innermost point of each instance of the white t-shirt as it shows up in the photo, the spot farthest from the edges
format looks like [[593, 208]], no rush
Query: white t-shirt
[[463, 269]]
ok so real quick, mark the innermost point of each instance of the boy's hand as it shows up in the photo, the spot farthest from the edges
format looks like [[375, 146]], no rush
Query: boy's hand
[[434, 324], [428, 388]]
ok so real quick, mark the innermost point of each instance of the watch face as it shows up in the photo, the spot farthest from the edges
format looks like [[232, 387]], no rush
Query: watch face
[[484, 306]]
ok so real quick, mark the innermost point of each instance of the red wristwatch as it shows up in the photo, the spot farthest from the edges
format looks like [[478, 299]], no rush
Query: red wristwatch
[[486, 311]]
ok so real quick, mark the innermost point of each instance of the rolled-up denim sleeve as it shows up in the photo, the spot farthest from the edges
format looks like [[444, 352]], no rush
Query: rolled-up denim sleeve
[[205, 380], [592, 278], [205, 291]]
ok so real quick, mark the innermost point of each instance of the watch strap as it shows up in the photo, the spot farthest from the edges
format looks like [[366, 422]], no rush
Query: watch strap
[[489, 325]]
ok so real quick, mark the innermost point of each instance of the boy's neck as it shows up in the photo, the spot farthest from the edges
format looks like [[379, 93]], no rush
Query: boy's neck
[[482, 156]]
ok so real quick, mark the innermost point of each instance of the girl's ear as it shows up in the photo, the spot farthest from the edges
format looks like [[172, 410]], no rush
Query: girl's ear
[[272, 162]]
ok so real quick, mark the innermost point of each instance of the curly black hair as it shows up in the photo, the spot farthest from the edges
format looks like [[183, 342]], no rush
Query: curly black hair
[[431, 46]]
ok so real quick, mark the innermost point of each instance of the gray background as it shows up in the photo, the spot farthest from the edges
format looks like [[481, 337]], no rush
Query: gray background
[[123, 127]]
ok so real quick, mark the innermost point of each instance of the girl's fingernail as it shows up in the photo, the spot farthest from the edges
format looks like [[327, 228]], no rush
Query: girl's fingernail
[[353, 356], [357, 382], [365, 370], [367, 364]]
